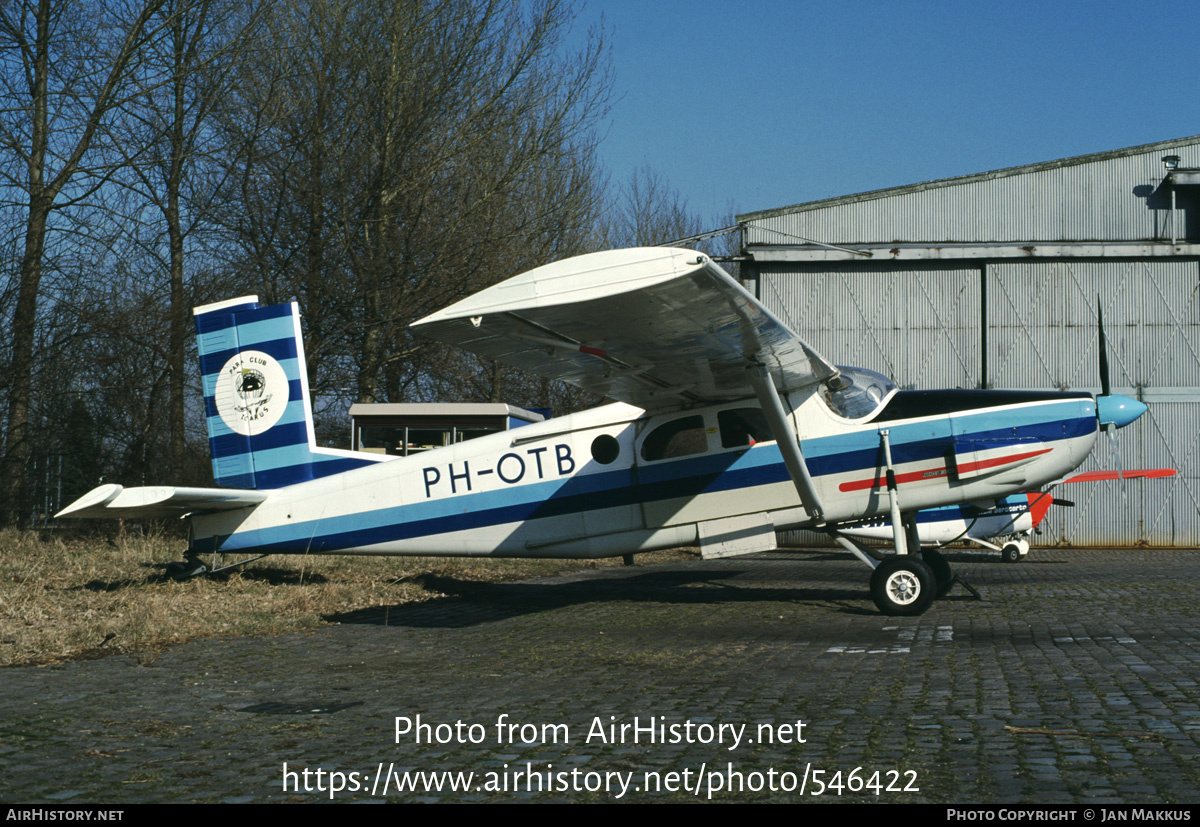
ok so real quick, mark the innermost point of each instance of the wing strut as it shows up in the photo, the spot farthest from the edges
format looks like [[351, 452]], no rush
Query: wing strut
[[789, 446]]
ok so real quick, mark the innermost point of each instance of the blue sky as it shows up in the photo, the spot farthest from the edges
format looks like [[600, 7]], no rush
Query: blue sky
[[756, 105]]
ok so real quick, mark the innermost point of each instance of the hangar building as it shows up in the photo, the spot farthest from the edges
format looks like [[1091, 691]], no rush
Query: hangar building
[[991, 281]]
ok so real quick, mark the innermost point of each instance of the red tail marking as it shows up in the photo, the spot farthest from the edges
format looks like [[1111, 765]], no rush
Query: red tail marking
[[1039, 504]]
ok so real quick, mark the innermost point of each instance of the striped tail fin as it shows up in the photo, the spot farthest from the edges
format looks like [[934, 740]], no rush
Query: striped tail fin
[[260, 424]]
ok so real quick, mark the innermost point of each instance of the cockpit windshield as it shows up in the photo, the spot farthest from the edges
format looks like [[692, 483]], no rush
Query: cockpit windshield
[[862, 394]]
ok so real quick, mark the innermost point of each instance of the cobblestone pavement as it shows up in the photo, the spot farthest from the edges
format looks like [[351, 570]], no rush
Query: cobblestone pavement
[[1073, 680]]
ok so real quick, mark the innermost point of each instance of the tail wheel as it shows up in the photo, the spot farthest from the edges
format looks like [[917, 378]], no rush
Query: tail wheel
[[903, 586], [186, 569]]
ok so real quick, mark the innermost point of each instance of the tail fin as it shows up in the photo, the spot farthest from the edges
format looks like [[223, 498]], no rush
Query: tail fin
[[260, 425]]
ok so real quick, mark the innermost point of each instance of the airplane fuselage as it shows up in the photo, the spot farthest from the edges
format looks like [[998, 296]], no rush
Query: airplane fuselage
[[613, 480]]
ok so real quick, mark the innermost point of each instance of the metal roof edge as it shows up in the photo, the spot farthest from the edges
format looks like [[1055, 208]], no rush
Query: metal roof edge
[[975, 251], [1006, 172]]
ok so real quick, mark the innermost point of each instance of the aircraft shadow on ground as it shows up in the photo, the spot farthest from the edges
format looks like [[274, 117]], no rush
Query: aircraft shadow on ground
[[157, 573], [470, 603]]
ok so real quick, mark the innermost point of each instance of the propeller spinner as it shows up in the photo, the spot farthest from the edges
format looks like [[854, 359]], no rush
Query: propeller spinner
[[1113, 409]]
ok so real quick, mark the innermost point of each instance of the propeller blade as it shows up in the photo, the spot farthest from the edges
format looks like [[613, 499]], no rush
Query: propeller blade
[[1105, 387]]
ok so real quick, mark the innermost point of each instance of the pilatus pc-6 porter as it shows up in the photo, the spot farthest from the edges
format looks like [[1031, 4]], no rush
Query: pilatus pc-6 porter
[[725, 428]]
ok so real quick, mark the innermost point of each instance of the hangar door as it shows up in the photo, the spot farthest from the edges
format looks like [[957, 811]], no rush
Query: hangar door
[[1042, 333], [917, 325]]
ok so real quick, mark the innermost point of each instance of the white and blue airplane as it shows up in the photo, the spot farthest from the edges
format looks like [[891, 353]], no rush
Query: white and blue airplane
[[726, 428]]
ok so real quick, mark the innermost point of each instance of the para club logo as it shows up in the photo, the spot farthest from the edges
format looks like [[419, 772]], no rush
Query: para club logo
[[252, 392]]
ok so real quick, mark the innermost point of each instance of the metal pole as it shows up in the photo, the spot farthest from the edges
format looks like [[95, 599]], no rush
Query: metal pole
[[1172, 214]]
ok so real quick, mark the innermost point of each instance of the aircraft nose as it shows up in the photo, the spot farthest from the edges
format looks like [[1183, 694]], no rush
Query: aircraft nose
[[1118, 410]]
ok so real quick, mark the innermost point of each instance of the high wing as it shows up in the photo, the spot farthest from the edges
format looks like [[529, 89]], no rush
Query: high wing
[[656, 327], [158, 502]]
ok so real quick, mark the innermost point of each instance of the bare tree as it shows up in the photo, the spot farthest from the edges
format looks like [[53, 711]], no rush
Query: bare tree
[[648, 211], [406, 154], [286, 126], [374, 160], [170, 146], [65, 68]]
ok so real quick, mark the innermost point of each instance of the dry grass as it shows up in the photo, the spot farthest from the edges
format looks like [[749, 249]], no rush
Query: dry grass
[[65, 598]]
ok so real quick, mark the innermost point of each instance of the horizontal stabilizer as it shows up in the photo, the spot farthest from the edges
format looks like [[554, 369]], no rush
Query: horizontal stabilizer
[[157, 502]]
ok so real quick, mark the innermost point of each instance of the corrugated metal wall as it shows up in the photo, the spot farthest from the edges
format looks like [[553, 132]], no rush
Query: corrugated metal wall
[[917, 322]]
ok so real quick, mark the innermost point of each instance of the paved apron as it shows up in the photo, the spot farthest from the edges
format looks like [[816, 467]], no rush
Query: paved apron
[[765, 678]]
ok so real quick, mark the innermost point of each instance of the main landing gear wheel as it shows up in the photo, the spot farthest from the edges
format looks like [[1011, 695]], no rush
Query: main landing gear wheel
[[1011, 553], [941, 570], [903, 586]]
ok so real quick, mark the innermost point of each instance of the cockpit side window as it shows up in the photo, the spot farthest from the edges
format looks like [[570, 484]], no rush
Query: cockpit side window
[[677, 438], [863, 394], [743, 427]]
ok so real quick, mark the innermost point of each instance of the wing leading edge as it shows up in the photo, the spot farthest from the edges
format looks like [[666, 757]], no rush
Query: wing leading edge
[[660, 328]]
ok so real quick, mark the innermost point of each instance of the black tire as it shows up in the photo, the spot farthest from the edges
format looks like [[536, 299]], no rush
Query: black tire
[[903, 586], [1011, 553], [942, 574]]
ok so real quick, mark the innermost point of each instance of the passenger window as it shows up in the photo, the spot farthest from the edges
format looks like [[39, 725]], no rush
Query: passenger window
[[743, 427], [677, 438]]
